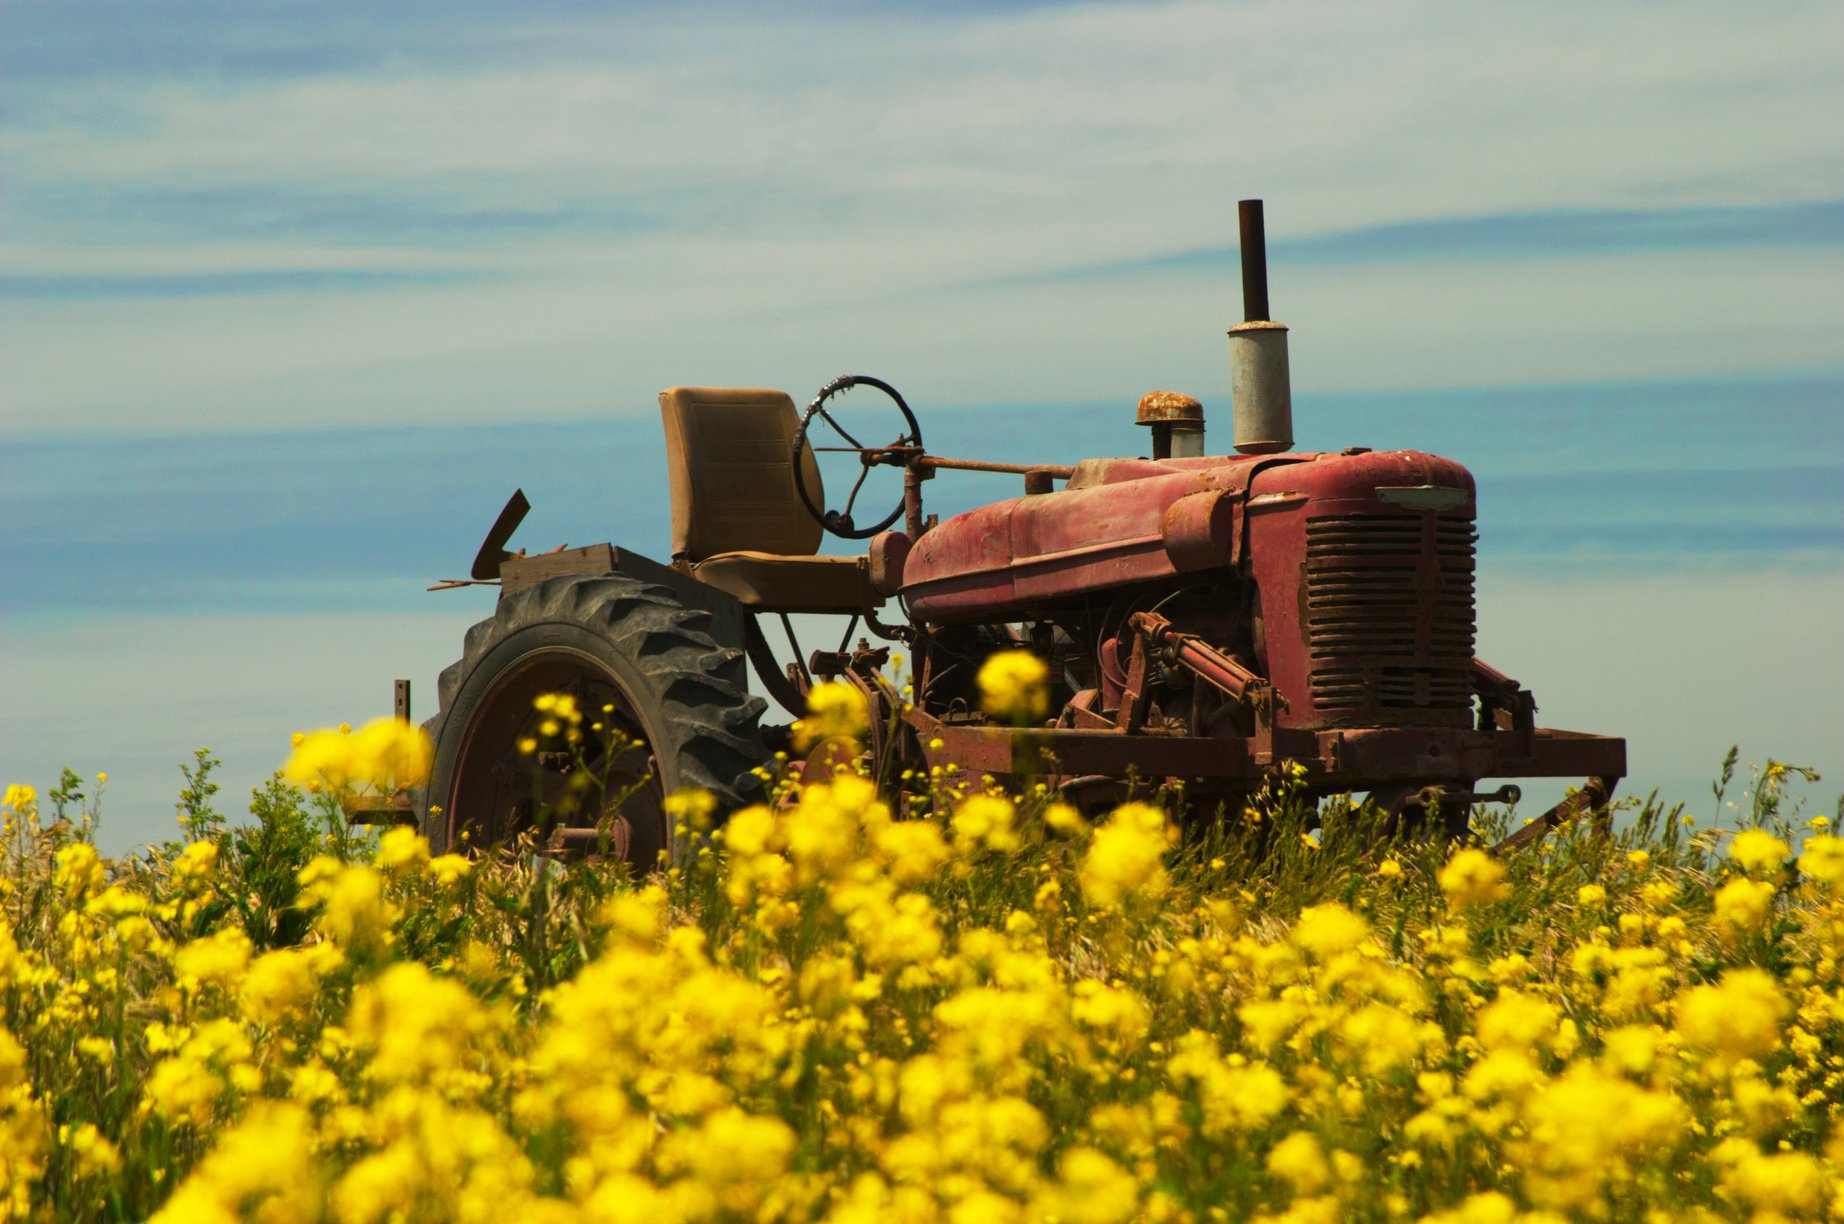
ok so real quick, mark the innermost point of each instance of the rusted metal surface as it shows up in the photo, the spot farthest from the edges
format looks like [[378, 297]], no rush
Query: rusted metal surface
[[1200, 531], [1354, 760], [1366, 610], [1055, 470], [1206, 661], [1004, 558], [379, 809], [1591, 800], [1176, 421], [1158, 406]]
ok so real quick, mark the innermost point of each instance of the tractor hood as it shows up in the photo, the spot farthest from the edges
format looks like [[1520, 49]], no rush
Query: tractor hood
[[1119, 522]]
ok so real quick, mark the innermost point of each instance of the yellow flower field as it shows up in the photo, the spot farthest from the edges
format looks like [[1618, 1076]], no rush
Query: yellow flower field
[[981, 1009]]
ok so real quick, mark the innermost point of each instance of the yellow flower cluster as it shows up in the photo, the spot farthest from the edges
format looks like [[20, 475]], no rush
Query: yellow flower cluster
[[836, 709], [385, 754], [977, 1008], [1015, 687]]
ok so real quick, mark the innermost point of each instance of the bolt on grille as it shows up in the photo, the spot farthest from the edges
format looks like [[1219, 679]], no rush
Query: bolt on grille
[[1389, 611]]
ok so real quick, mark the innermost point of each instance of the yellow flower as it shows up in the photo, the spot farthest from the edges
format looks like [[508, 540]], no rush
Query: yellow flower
[[1822, 859], [197, 861], [1299, 1161], [80, 871], [402, 850], [1739, 1016], [92, 1149], [1473, 877], [1586, 1126], [1486, 1207], [263, 1169], [354, 910], [1744, 904], [1382, 1036], [1015, 687], [984, 822], [416, 1023], [1326, 930], [277, 983], [1783, 1182], [1515, 1020], [835, 710], [1091, 1189], [183, 1089], [19, 798], [217, 959], [389, 753], [734, 1156], [1126, 857], [912, 850], [1064, 820], [446, 869], [321, 758], [1757, 850]]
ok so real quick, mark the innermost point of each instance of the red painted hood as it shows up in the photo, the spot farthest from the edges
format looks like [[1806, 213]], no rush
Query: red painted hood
[[1123, 521]]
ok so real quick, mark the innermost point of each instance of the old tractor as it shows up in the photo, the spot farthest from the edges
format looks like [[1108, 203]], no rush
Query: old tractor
[[1210, 621]]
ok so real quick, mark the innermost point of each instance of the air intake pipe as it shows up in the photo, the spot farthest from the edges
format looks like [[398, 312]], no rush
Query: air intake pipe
[[1260, 392]]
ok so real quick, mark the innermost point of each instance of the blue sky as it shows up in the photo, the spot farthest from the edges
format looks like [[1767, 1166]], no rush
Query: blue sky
[[291, 296]]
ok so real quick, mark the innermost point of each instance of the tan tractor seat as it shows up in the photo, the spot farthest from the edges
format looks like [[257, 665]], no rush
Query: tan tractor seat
[[737, 519]]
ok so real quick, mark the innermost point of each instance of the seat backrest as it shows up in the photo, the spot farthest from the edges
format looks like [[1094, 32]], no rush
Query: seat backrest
[[729, 461]]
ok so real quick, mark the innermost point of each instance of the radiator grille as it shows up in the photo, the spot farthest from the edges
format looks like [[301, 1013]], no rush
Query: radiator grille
[[1389, 612]]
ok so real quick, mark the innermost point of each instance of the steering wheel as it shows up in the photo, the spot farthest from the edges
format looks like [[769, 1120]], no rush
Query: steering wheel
[[839, 522]]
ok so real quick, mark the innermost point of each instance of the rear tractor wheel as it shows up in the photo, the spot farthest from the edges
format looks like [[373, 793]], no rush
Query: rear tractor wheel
[[674, 710]]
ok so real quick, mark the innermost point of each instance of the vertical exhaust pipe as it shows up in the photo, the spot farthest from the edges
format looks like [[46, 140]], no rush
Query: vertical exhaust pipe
[[1261, 394]]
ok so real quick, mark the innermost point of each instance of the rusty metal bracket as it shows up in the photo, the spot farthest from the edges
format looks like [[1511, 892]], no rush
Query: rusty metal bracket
[[1136, 697], [1591, 800], [1203, 660], [1503, 703]]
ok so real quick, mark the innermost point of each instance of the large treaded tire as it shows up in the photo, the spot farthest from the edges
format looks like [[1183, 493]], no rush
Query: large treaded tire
[[673, 685]]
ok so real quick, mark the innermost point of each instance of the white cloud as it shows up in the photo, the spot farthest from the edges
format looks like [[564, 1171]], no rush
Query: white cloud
[[604, 341], [772, 200]]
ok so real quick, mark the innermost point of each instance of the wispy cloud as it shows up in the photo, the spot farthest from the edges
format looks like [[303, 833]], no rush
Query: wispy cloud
[[222, 213], [1521, 235], [219, 284]]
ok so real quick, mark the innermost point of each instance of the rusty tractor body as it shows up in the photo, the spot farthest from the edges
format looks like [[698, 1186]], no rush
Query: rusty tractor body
[[1218, 622]]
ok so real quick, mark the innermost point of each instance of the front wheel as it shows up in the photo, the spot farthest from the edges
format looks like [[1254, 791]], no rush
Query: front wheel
[[673, 707]]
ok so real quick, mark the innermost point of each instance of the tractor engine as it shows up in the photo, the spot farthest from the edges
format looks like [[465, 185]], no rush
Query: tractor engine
[[1346, 580], [1365, 567]]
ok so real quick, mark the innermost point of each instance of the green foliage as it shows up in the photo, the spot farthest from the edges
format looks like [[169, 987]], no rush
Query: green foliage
[[266, 861]]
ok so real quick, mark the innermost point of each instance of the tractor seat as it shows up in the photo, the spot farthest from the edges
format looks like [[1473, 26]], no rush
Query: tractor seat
[[737, 520]]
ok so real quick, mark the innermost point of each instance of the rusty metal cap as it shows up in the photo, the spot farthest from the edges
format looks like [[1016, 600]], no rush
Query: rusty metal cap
[[1157, 407]]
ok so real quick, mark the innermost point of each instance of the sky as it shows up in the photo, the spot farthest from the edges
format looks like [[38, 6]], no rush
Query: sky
[[292, 296]]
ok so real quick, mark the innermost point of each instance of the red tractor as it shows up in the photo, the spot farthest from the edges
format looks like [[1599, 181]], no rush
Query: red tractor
[[1213, 621]]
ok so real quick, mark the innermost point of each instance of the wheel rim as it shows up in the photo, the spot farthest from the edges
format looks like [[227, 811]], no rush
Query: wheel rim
[[501, 791]]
